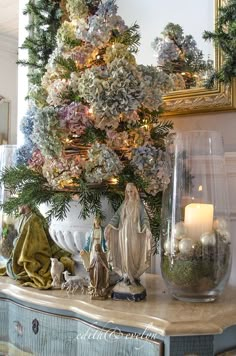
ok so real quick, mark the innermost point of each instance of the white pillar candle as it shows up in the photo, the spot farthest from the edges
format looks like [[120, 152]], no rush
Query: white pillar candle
[[198, 219]]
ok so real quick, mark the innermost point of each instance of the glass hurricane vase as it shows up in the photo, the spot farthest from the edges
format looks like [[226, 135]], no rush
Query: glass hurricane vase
[[195, 237]]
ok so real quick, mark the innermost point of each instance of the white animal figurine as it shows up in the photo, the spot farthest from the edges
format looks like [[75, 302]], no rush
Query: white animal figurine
[[72, 283], [56, 272]]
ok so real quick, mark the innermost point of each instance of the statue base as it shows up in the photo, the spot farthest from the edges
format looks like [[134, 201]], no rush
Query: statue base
[[98, 297], [132, 292]]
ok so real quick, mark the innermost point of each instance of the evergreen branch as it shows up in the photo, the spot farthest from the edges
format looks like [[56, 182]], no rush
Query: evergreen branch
[[161, 130], [210, 81], [13, 178], [153, 206], [40, 43], [147, 116], [92, 135], [130, 38], [128, 175], [90, 200], [29, 64], [59, 206], [71, 43], [115, 197], [67, 63], [224, 38]]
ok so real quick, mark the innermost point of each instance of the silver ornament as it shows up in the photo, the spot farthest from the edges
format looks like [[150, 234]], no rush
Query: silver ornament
[[171, 246], [208, 239], [179, 230], [225, 234], [220, 224], [186, 246]]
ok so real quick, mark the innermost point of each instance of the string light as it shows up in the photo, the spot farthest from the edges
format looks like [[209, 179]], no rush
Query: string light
[[114, 180]]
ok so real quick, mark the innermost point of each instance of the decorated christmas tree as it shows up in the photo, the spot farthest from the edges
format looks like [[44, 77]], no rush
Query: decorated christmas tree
[[93, 123]]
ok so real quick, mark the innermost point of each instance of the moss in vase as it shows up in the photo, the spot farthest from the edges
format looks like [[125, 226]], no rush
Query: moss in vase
[[201, 270], [187, 273]]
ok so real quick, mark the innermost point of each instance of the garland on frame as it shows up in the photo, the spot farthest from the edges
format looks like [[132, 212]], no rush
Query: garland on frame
[[224, 38]]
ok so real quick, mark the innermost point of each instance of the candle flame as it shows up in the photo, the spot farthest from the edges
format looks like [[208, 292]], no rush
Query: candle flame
[[200, 188]]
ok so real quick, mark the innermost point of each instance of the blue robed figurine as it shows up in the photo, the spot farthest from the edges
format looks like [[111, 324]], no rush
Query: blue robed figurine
[[128, 238], [96, 236]]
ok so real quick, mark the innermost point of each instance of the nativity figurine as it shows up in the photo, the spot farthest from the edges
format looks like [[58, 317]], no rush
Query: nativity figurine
[[96, 236], [99, 275], [30, 260]]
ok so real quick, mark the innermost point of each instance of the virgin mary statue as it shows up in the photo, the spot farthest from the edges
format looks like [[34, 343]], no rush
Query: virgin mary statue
[[128, 238]]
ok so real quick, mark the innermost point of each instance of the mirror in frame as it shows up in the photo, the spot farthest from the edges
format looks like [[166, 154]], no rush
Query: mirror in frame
[[201, 100], [187, 101]]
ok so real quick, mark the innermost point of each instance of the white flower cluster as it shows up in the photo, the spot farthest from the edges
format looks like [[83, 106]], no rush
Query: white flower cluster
[[178, 81], [65, 32], [155, 85], [77, 8], [57, 91], [47, 134], [103, 164], [61, 171], [166, 51], [111, 91], [99, 27], [151, 164]]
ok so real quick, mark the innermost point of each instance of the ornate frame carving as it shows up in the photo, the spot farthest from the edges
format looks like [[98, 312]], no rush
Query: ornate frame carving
[[202, 100]]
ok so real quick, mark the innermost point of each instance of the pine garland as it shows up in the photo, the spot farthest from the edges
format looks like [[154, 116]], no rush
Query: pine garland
[[45, 17], [130, 38], [224, 38]]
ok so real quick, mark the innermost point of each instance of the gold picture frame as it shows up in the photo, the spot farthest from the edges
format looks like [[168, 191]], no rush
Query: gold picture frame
[[201, 100]]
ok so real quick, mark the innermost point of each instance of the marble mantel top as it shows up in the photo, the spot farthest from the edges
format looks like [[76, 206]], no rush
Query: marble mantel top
[[159, 313]]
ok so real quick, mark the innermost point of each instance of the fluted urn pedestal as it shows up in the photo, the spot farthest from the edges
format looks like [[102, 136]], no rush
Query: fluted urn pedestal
[[71, 233]]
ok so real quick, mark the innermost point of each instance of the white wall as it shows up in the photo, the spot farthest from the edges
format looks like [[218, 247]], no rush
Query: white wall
[[23, 84], [224, 122], [8, 79]]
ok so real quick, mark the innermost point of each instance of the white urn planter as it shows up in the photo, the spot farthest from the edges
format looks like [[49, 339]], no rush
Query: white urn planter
[[71, 233]]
